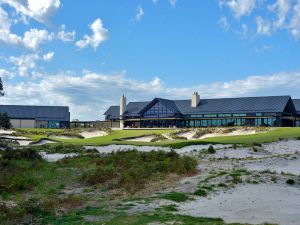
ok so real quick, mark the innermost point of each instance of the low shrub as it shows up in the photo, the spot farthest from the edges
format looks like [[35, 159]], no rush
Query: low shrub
[[175, 196], [211, 150], [132, 170], [200, 192], [290, 181]]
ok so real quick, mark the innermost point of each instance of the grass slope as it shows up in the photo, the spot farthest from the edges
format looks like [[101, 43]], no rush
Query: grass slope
[[115, 136]]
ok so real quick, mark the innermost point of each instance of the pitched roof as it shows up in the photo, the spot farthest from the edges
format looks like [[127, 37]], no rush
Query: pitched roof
[[211, 106], [235, 105], [57, 113], [297, 105], [113, 112]]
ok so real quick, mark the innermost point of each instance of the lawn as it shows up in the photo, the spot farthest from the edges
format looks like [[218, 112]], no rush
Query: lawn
[[116, 136]]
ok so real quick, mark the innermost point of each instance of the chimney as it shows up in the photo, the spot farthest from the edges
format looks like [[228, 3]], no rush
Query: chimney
[[122, 105], [195, 99]]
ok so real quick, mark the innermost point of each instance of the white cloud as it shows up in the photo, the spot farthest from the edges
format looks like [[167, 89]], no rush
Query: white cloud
[[89, 94], [173, 2], [40, 10], [6, 74], [99, 35], [34, 37], [65, 36], [281, 8], [154, 1], [139, 13], [24, 63], [294, 26], [240, 7], [223, 22], [263, 26], [48, 57]]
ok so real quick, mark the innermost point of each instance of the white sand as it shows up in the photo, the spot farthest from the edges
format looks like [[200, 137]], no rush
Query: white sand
[[184, 150], [234, 133], [143, 139], [63, 137], [23, 142], [250, 204], [91, 134], [2, 131], [188, 135], [14, 137], [276, 165], [56, 156]]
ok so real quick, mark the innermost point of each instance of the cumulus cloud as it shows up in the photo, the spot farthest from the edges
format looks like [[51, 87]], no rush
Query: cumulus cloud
[[239, 7], [90, 94], [99, 35], [281, 15], [48, 57], [24, 63], [139, 13], [263, 26], [65, 36], [40, 10], [223, 22], [34, 37]]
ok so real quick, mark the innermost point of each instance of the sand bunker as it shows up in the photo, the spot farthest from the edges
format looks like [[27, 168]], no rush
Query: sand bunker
[[142, 139], [184, 150], [250, 204], [276, 165], [63, 137], [91, 134], [2, 131], [56, 156]]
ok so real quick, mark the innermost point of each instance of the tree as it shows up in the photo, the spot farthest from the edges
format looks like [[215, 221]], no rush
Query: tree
[[1, 88], [4, 119]]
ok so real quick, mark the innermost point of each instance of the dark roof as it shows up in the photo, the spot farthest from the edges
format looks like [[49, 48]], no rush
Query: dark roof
[[211, 106], [57, 113], [235, 105], [113, 112], [297, 105]]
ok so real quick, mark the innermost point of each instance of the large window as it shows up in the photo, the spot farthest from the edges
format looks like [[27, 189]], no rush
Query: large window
[[158, 111]]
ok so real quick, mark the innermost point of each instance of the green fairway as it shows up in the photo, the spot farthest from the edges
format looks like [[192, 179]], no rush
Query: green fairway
[[116, 136]]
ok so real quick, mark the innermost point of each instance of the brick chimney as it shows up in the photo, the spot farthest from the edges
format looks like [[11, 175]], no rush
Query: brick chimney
[[195, 99]]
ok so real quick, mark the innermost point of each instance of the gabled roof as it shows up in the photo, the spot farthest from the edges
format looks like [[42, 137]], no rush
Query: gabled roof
[[210, 106], [297, 105], [170, 104], [57, 113]]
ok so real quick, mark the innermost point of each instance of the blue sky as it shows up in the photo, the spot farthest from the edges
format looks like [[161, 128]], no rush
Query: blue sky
[[85, 54]]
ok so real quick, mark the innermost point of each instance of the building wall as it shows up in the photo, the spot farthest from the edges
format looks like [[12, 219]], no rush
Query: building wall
[[22, 123]]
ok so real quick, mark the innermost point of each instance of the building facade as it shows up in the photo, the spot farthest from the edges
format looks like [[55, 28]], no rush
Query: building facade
[[273, 111], [22, 116]]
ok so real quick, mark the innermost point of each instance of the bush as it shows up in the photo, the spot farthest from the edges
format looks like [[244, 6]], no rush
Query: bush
[[290, 181], [132, 170], [211, 150], [4, 121], [200, 192]]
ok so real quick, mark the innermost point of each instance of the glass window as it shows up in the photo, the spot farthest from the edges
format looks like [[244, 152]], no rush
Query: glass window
[[158, 110], [210, 115], [258, 114], [224, 115], [239, 114]]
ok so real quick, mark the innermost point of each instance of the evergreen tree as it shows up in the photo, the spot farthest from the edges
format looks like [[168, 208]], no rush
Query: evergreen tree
[[1, 88]]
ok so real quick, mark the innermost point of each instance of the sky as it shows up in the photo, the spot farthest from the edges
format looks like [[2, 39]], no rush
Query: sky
[[86, 53]]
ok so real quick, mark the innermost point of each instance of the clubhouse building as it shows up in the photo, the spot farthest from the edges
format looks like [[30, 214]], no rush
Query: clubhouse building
[[24, 116], [272, 111]]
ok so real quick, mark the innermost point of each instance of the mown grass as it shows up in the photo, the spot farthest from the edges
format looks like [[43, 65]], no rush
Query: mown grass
[[116, 137]]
